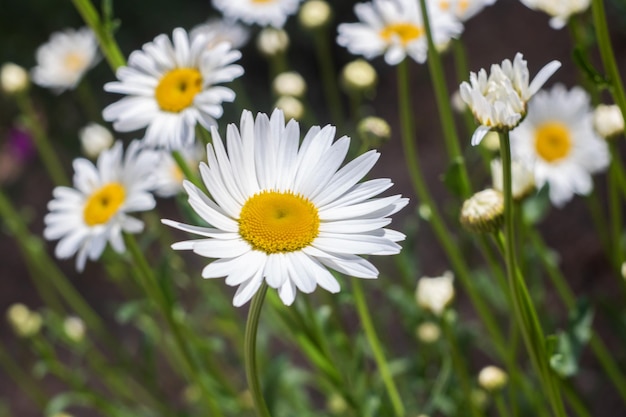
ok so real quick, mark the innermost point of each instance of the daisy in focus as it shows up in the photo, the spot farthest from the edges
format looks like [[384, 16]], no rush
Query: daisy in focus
[[560, 11], [64, 59], [394, 28], [261, 12], [284, 213], [170, 86], [95, 211], [498, 101], [558, 140], [464, 9]]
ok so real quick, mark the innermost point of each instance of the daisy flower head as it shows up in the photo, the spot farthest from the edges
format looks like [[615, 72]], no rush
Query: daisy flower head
[[284, 212], [95, 211], [261, 12], [498, 100], [560, 11], [64, 59], [558, 140], [464, 9], [394, 28], [217, 30], [170, 86]]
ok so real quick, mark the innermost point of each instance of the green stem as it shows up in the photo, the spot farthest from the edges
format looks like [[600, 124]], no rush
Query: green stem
[[522, 304], [103, 33], [498, 398], [329, 78], [252, 374], [443, 104], [607, 55], [615, 210], [187, 172], [47, 154], [26, 382], [377, 350]]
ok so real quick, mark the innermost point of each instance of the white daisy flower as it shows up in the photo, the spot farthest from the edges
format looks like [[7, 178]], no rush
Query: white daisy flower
[[522, 178], [64, 59], [559, 10], [261, 12], [95, 211], [558, 140], [216, 31], [435, 293], [463, 9], [498, 101], [394, 28], [283, 213], [168, 175], [171, 86]]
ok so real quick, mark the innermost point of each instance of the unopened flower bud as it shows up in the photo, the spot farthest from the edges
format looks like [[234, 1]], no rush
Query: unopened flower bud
[[94, 139], [289, 84], [315, 14], [428, 332], [25, 323], [74, 329], [291, 107], [491, 378], [457, 102], [359, 76], [13, 78], [374, 131], [522, 179], [491, 141], [272, 41], [435, 293], [608, 121], [484, 211]]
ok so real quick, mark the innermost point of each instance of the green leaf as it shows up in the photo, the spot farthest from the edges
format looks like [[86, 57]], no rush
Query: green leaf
[[565, 348]]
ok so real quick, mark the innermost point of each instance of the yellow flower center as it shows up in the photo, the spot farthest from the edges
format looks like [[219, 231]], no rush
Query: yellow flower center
[[74, 62], [273, 221], [103, 204], [177, 89], [552, 141], [405, 31]]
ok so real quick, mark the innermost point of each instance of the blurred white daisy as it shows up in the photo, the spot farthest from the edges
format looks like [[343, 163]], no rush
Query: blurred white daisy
[[216, 31], [168, 175], [64, 59], [522, 178], [394, 28], [283, 213], [463, 9], [498, 101], [95, 211], [261, 12], [559, 10], [558, 139], [435, 293], [171, 86]]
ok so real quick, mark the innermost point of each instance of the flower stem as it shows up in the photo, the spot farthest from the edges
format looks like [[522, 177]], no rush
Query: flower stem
[[443, 105], [327, 72], [22, 379], [187, 172], [103, 33], [252, 374], [615, 209], [523, 308]]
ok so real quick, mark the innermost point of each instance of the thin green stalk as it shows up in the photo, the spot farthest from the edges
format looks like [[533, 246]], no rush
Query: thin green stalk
[[607, 55], [47, 154], [153, 290], [328, 74], [252, 374], [523, 308], [377, 350], [598, 217], [575, 401], [615, 210], [443, 105], [25, 381], [462, 73], [103, 32], [187, 172], [498, 398]]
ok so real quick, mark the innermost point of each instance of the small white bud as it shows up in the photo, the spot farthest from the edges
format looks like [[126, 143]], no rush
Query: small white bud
[[25, 323], [435, 293], [359, 76], [315, 14], [492, 378], [13, 78], [272, 41], [483, 212], [374, 131], [94, 139], [608, 121], [428, 332], [291, 107], [289, 84], [74, 328]]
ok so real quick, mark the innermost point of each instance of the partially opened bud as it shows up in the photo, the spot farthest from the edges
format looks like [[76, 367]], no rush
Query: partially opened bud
[[484, 211], [608, 121]]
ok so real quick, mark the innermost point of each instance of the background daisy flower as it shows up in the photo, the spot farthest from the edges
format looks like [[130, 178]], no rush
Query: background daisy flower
[[394, 28], [222, 30], [64, 59], [498, 101], [558, 139], [464, 9], [560, 11], [284, 213], [171, 86], [95, 211], [261, 12], [168, 175]]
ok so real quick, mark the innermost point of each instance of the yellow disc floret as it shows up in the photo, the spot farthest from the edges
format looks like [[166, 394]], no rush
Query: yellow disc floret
[[273, 222], [177, 89], [103, 204], [405, 31], [552, 141]]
